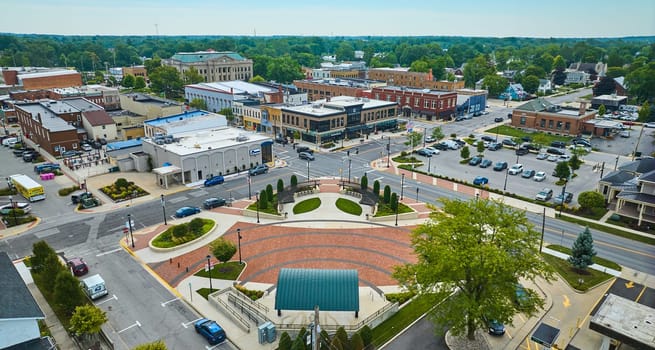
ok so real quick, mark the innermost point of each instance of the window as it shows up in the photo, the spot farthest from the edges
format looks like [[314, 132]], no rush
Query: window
[[522, 120], [567, 126], [550, 124], [426, 104], [407, 100], [543, 123], [416, 102], [559, 125]]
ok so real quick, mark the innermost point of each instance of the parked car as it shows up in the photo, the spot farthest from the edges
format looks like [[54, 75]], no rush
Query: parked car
[[508, 142], [582, 142], [487, 138], [649, 125], [213, 202], [281, 140], [544, 195], [499, 119], [485, 163], [520, 295], [71, 153], [430, 139], [558, 144], [568, 197], [77, 266], [210, 330], [553, 150], [215, 180], [500, 166], [495, 327], [86, 147], [526, 174], [516, 169], [522, 151], [480, 180], [494, 146], [260, 169], [564, 158], [475, 161], [539, 176], [440, 146], [306, 156], [433, 150], [6, 209], [424, 152], [186, 211], [304, 149]]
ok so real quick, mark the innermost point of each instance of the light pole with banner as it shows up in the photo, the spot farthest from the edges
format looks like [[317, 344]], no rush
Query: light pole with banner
[[129, 224], [239, 240], [163, 208], [209, 269]]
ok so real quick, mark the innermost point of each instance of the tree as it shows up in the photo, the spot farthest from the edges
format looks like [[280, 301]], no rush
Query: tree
[[530, 84], [559, 63], [495, 84], [179, 231], [269, 192], [99, 77], [191, 76], [602, 110], [257, 79], [387, 194], [40, 252], [644, 112], [437, 133], [534, 70], [156, 345], [139, 83], [419, 66], [481, 256], [393, 202], [582, 252], [414, 138], [591, 200], [67, 292], [294, 181], [606, 86], [345, 52], [280, 187], [198, 103], [367, 336], [356, 342], [562, 170], [476, 69], [227, 112], [575, 162], [298, 344], [376, 188], [151, 64], [465, 153], [364, 183], [284, 70], [87, 320], [263, 200], [641, 82], [166, 80], [285, 342], [222, 249], [343, 337], [615, 72], [480, 147], [559, 77], [128, 81]]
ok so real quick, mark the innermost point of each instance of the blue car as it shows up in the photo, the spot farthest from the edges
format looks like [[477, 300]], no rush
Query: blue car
[[186, 211], [495, 327], [480, 180], [210, 330], [216, 180]]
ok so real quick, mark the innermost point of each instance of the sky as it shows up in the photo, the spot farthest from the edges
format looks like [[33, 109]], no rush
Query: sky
[[480, 18]]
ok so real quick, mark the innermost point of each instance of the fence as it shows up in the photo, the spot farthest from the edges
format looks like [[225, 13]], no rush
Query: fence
[[240, 321]]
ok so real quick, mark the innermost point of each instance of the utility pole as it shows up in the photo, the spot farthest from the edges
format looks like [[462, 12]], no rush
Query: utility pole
[[316, 331]]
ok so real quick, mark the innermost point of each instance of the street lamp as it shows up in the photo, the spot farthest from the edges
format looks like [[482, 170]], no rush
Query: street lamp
[[429, 165], [505, 185], [561, 206], [416, 194], [397, 204], [209, 268], [350, 161], [543, 228], [257, 202], [129, 224], [249, 193], [402, 185], [163, 207], [239, 239], [307, 169], [13, 209], [389, 152]]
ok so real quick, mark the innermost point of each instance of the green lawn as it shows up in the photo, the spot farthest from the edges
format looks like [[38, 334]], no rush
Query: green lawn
[[349, 206], [307, 205], [609, 229], [270, 209], [582, 282], [385, 209], [224, 271], [596, 259], [537, 137], [403, 318]]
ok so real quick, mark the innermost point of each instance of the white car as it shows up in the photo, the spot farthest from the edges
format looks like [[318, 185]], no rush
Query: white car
[[649, 125], [432, 150], [542, 156], [25, 207], [516, 169], [564, 158], [553, 158], [539, 176]]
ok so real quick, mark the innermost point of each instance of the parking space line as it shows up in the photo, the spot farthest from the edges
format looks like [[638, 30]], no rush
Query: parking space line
[[137, 324], [170, 301], [114, 297], [186, 325]]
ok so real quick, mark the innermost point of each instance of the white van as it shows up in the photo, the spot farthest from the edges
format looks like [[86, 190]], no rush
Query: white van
[[9, 141], [94, 287]]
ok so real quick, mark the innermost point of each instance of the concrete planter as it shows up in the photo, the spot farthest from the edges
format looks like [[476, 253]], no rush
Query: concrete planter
[[158, 249]]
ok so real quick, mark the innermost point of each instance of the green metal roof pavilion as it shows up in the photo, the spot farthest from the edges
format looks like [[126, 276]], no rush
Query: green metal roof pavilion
[[330, 290]]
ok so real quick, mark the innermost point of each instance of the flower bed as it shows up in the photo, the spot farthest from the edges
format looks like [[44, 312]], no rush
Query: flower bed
[[122, 190]]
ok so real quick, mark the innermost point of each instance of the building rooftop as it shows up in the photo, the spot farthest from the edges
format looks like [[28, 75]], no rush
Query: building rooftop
[[82, 104], [234, 87], [202, 140], [30, 75], [16, 300], [201, 56], [304, 289], [349, 82], [337, 105], [148, 99], [397, 69], [610, 98], [97, 118], [49, 120], [417, 90]]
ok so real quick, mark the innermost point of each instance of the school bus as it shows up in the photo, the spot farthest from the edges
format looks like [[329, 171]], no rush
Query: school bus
[[28, 188]]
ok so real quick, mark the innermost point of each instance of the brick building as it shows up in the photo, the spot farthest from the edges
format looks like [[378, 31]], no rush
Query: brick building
[[106, 97], [48, 127], [421, 103], [212, 65], [541, 115], [136, 71], [325, 88], [41, 78], [420, 80], [337, 118]]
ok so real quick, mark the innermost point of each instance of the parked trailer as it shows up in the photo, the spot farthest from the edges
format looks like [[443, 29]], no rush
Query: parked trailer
[[27, 187]]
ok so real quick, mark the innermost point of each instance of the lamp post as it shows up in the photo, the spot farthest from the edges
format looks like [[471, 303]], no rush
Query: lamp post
[[416, 194], [561, 206], [163, 208], [402, 185], [429, 165], [505, 185], [543, 228], [257, 202], [209, 268], [350, 161], [389, 153], [129, 224], [616, 164], [249, 193], [13, 209], [397, 204], [239, 240], [307, 169]]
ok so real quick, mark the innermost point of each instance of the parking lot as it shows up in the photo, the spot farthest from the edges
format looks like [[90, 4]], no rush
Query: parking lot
[[447, 163]]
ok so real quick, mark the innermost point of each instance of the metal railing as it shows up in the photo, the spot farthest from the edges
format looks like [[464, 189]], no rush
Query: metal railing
[[248, 300], [215, 298], [247, 309]]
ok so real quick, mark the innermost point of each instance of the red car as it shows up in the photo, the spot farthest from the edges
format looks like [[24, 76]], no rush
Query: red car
[[78, 266]]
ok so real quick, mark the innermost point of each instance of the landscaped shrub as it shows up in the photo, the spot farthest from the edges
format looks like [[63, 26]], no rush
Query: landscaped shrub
[[180, 231], [400, 298], [179, 234], [394, 201], [269, 192], [376, 188], [280, 186], [252, 294], [387, 194], [364, 183], [195, 225], [263, 200], [68, 190], [123, 190], [294, 180]]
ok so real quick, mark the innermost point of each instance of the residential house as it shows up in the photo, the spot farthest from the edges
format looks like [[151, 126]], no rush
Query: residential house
[[577, 77], [545, 86], [595, 70], [514, 92], [630, 190], [19, 312]]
